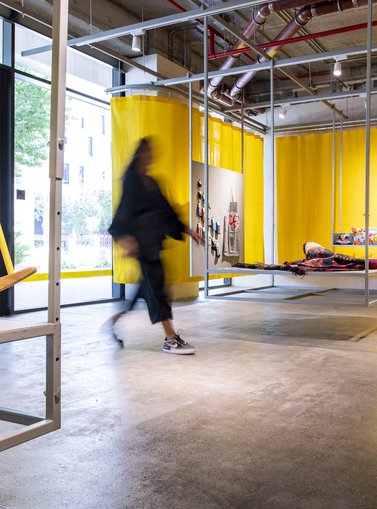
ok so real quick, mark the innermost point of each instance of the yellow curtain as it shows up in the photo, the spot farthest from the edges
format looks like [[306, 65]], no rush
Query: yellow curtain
[[304, 190], [166, 120]]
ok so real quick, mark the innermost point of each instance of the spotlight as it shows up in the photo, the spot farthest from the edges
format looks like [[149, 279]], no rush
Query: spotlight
[[283, 113], [136, 43], [337, 69]]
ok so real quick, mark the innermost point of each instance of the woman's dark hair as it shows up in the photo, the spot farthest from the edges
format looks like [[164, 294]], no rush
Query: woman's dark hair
[[143, 145]]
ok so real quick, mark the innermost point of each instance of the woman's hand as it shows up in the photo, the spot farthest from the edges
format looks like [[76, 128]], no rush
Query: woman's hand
[[195, 236], [130, 245]]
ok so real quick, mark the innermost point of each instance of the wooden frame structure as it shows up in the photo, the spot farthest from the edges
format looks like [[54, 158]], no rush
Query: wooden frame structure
[[12, 330]]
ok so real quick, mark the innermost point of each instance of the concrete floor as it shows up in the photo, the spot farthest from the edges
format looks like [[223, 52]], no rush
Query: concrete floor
[[278, 410], [34, 294]]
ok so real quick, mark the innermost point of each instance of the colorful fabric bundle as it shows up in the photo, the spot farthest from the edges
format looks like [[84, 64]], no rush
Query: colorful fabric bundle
[[317, 258]]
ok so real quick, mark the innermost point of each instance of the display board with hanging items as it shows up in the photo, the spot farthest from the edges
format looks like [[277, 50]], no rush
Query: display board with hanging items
[[213, 224], [224, 221]]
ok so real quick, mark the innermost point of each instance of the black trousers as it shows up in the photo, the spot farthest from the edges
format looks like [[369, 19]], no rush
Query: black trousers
[[151, 289]]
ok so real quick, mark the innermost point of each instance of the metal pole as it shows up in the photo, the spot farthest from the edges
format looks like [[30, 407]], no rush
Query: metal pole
[[333, 178], [206, 190], [7, 157], [367, 148], [234, 71], [272, 135], [341, 175], [242, 133], [272, 139], [190, 168], [56, 159]]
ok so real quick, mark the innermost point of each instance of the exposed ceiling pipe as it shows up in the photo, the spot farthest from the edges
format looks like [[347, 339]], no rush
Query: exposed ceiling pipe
[[300, 19], [294, 40], [251, 28], [212, 31]]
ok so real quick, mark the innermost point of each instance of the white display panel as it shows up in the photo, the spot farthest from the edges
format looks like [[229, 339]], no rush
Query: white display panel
[[226, 201]]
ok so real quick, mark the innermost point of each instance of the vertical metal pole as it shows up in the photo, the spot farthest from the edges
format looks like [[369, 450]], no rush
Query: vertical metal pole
[[56, 160], [242, 133], [7, 157], [118, 290], [367, 148], [333, 177], [190, 170], [272, 136], [7, 184], [206, 179], [340, 220]]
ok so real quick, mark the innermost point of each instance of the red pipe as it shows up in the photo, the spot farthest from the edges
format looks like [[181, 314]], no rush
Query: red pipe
[[177, 5], [293, 40], [211, 41]]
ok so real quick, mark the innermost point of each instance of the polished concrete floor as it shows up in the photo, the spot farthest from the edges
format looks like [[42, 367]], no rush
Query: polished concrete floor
[[278, 410], [34, 294]]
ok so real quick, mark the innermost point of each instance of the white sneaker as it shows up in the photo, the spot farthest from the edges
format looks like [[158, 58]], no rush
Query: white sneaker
[[178, 346]]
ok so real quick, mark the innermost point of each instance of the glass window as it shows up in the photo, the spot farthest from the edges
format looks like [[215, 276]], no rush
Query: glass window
[[90, 146], [87, 198], [66, 173], [86, 212], [32, 123], [85, 74], [86, 216], [39, 64]]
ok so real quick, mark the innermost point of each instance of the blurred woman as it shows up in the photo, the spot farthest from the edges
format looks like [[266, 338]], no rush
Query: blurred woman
[[142, 221]]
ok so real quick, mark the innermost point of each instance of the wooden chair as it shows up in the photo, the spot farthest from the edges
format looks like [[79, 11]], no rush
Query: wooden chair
[[12, 277]]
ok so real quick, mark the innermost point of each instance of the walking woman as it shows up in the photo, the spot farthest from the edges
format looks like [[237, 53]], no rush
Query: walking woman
[[142, 221]]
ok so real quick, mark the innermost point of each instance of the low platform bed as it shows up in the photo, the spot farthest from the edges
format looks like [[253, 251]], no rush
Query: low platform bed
[[250, 272], [318, 262], [314, 295]]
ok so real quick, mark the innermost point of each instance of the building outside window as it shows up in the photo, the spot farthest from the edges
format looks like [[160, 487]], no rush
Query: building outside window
[[90, 146], [86, 213], [66, 173], [81, 174]]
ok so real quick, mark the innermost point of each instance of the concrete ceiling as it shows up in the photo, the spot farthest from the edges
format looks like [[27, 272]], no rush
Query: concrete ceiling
[[183, 43]]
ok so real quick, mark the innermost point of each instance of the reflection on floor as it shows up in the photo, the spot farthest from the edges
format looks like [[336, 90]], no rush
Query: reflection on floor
[[278, 410], [34, 294]]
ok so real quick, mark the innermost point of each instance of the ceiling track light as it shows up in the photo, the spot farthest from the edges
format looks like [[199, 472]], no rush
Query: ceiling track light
[[283, 113], [136, 41], [136, 44], [337, 71]]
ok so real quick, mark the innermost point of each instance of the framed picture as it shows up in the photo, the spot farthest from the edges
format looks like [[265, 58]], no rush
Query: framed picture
[[343, 239]]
